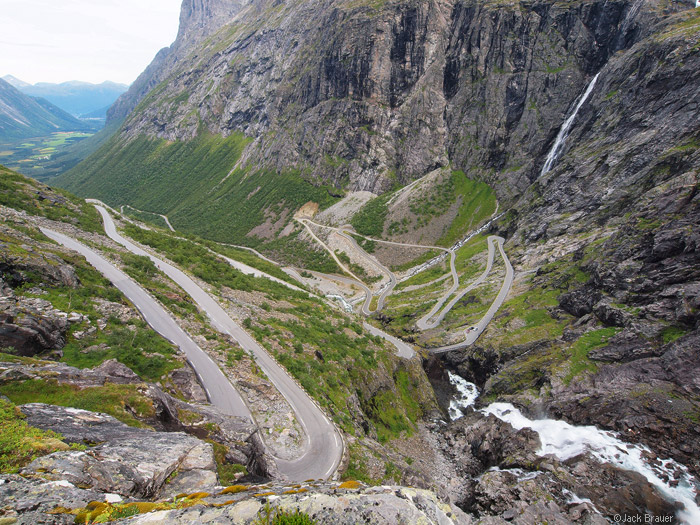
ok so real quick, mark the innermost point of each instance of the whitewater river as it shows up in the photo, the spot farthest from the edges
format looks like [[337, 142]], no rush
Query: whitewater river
[[566, 441]]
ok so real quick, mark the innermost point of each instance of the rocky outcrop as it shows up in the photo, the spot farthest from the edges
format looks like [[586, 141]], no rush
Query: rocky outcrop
[[27, 331], [35, 501], [30, 326], [131, 462], [111, 371], [648, 399], [16, 270], [328, 504], [503, 475], [203, 421]]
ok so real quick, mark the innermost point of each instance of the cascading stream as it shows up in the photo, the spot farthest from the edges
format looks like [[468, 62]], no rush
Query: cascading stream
[[566, 441], [566, 128]]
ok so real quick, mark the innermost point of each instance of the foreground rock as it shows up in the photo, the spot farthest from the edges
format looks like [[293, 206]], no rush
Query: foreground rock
[[327, 504], [131, 462], [238, 435], [34, 501], [31, 326]]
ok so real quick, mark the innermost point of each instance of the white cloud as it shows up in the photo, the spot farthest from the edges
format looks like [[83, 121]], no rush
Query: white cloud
[[88, 40]]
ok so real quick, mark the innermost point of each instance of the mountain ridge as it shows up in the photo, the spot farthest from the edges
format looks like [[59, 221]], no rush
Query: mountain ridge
[[24, 116], [75, 97]]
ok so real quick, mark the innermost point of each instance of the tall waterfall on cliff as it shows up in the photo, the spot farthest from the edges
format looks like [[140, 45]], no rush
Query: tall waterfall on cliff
[[566, 127]]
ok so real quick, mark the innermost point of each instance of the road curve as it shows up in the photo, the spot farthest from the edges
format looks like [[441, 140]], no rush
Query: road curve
[[389, 287], [324, 445], [473, 335], [219, 389], [403, 349], [424, 322], [429, 320]]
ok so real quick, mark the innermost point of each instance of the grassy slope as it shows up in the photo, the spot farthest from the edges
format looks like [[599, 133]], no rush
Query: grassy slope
[[327, 351], [131, 342], [188, 182]]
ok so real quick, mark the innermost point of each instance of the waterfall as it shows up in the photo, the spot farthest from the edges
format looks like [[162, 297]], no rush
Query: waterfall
[[566, 441], [468, 392], [566, 127]]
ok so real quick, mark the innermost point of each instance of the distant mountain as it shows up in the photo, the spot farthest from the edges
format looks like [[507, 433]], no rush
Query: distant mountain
[[77, 98], [24, 116], [15, 81], [100, 113]]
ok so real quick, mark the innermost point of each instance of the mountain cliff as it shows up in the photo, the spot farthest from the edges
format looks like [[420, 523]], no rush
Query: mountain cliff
[[401, 88]]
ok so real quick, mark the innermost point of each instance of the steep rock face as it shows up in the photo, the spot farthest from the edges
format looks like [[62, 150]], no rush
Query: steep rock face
[[198, 20], [397, 90]]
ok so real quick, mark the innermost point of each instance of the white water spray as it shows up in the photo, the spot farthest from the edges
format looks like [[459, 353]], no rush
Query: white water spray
[[345, 304], [467, 395], [566, 127], [566, 441]]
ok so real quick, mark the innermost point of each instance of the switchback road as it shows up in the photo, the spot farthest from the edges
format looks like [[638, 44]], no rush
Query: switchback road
[[324, 445], [219, 389]]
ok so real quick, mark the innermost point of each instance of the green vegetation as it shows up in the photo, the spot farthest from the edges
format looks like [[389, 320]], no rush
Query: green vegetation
[[133, 344], [530, 318], [424, 257], [147, 217], [426, 276], [192, 183], [270, 516], [101, 512], [204, 264], [22, 193], [123, 402], [20, 443], [526, 317], [371, 217], [249, 258], [671, 333], [298, 253], [357, 468], [329, 353], [142, 269], [42, 157], [227, 471], [528, 373], [579, 362], [478, 202], [367, 245]]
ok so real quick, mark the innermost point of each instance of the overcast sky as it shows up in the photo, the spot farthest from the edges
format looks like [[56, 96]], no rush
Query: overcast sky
[[88, 40]]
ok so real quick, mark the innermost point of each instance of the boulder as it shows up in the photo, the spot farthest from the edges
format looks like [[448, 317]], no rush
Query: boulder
[[132, 462], [29, 501], [29, 331]]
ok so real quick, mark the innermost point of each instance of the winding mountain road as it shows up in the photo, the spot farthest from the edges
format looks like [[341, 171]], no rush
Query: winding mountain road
[[220, 391], [324, 445], [472, 335], [432, 319], [429, 320]]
